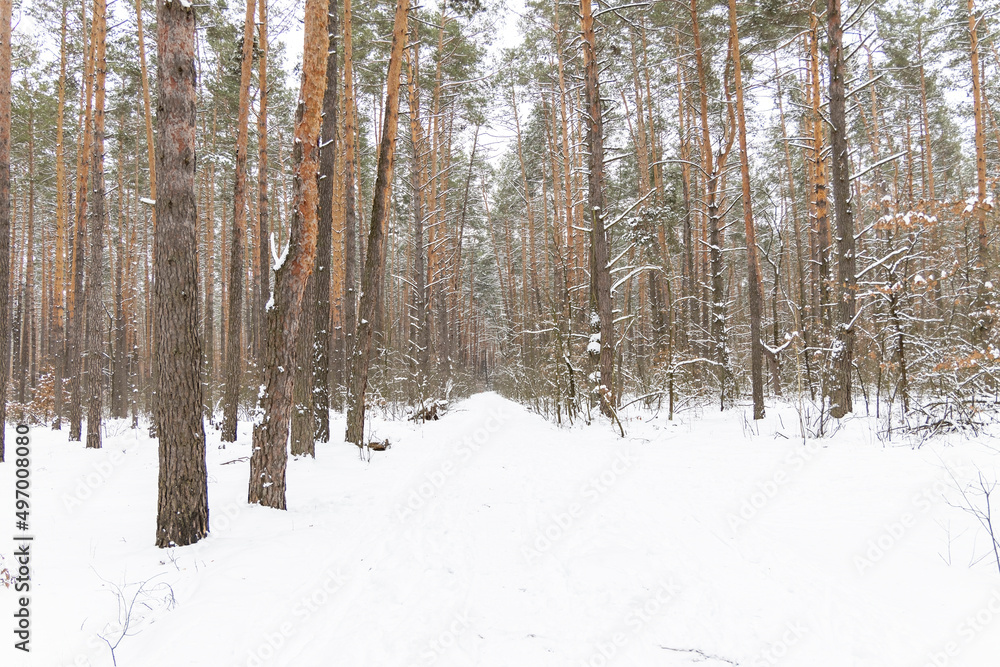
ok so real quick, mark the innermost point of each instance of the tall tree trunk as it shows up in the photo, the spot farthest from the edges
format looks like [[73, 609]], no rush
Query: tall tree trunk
[[324, 245], [350, 217], [76, 329], [371, 282], [182, 504], [27, 302], [981, 312], [980, 122], [302, 419], [209, 284], [843, 345], [571, 264], [753, 263], [713, 170], [600, 271], [234, 353], [95, 260], [688, 274], [820, 206], [151, 154], [274, 405], [59, 324], [263, 273], [418, 316], [5, 210], [419, 330], [147, 108], [803, 320], [119, 364], [304, 349], [223, 289]]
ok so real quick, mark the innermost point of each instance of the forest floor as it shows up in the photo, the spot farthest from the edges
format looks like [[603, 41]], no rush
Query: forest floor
[[493, 537]]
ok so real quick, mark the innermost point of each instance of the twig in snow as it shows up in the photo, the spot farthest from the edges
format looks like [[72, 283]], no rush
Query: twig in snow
[[701, 654]]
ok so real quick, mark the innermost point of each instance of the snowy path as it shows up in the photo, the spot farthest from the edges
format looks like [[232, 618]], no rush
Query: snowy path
[[494, 538]]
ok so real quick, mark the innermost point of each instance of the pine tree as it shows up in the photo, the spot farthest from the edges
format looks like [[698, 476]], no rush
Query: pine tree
[[182, 508], [274, 406]]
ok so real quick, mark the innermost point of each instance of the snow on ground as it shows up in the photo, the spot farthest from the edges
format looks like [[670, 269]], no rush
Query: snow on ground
[[492, 537]]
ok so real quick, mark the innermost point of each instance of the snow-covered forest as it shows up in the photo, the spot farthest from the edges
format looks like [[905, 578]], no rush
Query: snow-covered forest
[[499, 332]]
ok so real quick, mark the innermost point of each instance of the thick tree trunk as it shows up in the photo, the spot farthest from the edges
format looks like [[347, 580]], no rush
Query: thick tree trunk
[[234, 352], [843, 344], [324, 246], [371, 281], [305, 348], [274, 404], [182, 505]]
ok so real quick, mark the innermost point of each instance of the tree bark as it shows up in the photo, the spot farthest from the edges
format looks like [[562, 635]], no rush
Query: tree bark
[[75, 331], [843, 345], [234, 353], [753, 263], [977, 102], [982, 312], [371, 281], [263, 287], [324, 244], [27, 302], [274, 404], [600, 271], [182, 504], [350, 216], [419, 315], [713, 172], [95, 264], [59, 324], [803, 320], [820, 206], [119, 364], [5, 209]]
